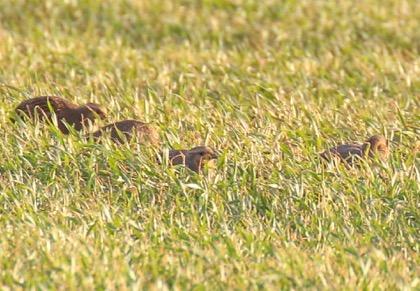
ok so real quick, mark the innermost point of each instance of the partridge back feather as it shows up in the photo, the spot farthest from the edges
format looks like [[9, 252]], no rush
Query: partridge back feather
[[126, 130], [65, 111], [43, 106]]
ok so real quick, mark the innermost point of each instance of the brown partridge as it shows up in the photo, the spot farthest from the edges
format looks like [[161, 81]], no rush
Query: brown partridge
[[126, 130], [194, 159], [66, 112], [377, 145]]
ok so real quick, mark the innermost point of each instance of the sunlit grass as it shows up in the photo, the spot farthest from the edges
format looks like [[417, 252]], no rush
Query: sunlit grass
[[269, 84]]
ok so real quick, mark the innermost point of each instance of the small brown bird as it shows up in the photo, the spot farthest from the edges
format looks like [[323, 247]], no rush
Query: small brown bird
[[194, 158], [126, 130], [377, 145], [66, 112]]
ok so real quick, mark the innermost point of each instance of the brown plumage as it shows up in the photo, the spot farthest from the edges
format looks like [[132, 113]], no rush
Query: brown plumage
[[377, 145], [193, 159], [66, 112], [126, 130]]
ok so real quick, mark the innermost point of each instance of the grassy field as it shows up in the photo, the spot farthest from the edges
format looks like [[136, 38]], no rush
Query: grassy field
[[269, 84]]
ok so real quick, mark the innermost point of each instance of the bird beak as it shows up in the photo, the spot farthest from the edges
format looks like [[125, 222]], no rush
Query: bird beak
[[102, 115], [214, 155]]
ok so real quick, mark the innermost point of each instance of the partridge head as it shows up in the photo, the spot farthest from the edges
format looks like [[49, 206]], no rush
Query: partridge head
[[376, 145], [194, 159]]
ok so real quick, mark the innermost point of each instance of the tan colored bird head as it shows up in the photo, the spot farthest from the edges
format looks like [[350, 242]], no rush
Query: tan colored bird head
[[376, 145], [194, 158]]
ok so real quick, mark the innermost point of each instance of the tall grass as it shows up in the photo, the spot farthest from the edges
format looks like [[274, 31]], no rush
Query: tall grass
[[270, 84]]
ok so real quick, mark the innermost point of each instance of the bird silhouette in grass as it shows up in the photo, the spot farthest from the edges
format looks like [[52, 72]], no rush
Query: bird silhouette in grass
[[43, 108], [127, 130], [194, 159], [375, 146]]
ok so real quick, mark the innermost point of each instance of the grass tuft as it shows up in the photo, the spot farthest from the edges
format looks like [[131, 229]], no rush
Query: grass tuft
[[270, 85]]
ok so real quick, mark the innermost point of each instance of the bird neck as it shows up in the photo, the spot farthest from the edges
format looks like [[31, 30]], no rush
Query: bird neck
[[83, 110], [183, 157], [194, 163], [370, 148], [367, 148]]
